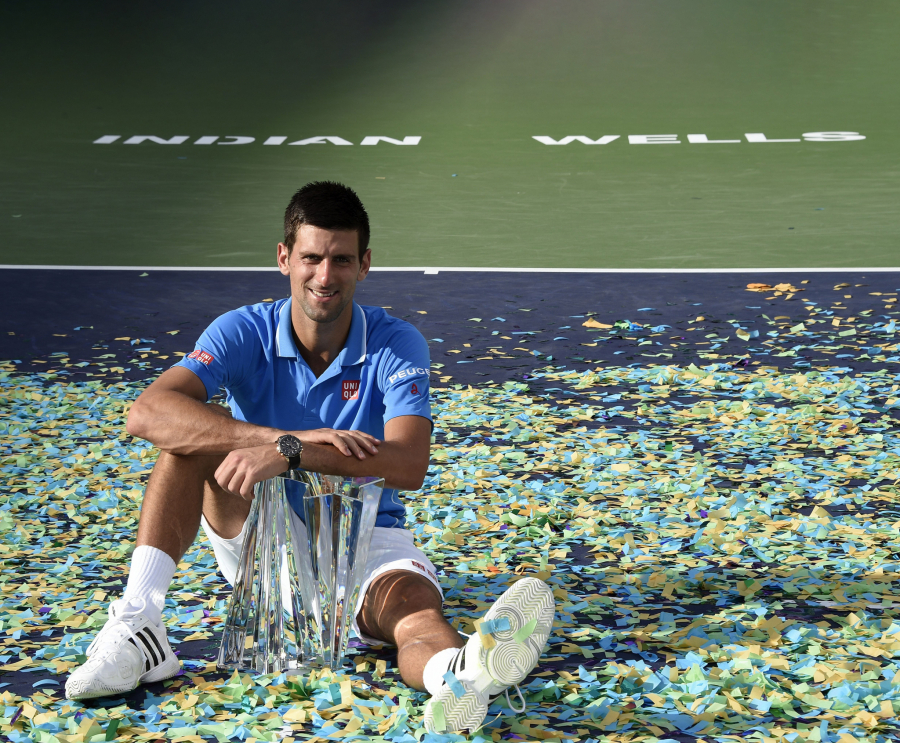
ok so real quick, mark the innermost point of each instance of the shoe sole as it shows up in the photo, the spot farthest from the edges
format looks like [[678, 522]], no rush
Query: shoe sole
[[163, 671], [510, 661], [445, 712], [93, 689]]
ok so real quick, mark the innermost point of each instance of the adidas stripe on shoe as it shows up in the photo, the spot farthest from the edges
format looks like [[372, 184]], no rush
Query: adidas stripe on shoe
[[504, 650], [129, 650]]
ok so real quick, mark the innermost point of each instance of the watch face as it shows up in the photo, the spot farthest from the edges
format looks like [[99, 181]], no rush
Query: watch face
[[289, 446]]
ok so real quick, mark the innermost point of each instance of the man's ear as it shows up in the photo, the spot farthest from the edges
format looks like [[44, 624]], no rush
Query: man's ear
[[364, 265], [284, 258]]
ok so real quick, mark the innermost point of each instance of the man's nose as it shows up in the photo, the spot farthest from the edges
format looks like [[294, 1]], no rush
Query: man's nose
[[323, 272]]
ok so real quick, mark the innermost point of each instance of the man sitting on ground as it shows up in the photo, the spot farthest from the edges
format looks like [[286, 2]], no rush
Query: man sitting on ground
[[318, 382]]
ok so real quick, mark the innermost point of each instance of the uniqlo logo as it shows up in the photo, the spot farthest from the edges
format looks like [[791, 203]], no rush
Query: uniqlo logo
[[202, 357], [350, 389]]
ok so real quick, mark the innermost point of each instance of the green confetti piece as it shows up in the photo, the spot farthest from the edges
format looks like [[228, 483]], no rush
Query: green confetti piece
[[437, 714], [525, 631], [111, 729]]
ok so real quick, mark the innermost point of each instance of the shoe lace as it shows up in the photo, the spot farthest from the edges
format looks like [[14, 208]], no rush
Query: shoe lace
[[521, 699], [488, 723], [518, 691], [120, 625], [509, 703]]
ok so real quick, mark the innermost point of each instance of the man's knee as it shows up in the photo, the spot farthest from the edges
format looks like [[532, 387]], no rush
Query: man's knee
[[187, 466], [190, 476], [392, 597], [404, 587]]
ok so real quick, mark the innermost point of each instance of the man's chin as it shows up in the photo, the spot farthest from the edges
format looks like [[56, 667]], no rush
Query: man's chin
[[322, 315]]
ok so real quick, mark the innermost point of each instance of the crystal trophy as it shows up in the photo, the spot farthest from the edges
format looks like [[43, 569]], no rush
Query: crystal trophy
[[301, 567]]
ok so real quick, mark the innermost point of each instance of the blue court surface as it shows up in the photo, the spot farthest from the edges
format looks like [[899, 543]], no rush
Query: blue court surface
[[705, 473]]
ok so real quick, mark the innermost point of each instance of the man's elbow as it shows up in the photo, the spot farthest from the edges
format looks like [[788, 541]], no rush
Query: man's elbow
[[411, 478]]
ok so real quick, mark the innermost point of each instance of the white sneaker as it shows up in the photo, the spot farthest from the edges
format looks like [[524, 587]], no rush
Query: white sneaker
[[129, 650], [518, 625]]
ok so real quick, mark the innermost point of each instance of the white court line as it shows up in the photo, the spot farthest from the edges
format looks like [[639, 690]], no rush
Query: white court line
[[474, 269]]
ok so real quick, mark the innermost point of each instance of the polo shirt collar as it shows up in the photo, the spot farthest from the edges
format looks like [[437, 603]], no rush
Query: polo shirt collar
[[353, 352], [284, 334]]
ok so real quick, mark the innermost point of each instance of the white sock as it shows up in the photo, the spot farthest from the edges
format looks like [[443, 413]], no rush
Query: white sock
[[151, 573], [436, 667]]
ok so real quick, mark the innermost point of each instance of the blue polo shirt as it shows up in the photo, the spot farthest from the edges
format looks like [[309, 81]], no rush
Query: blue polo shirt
[[381, 373]]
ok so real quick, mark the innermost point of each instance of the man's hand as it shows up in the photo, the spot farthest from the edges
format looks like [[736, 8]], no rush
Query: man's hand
[[243, 468], [348, 443]]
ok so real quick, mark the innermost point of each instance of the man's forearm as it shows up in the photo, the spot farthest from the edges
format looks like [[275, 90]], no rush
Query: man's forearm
[[179, 424], [401, 458], [392, 462]]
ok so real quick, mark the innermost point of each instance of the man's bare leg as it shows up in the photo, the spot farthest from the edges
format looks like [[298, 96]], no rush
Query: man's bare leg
[[179, 490], [133, 647], [404, 608]]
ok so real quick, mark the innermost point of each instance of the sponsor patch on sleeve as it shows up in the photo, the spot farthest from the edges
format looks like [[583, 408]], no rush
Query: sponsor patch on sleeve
[[201, 356], [411, 372]]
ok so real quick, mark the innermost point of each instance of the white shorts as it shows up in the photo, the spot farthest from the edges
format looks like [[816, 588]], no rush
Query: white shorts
[[391, 549]]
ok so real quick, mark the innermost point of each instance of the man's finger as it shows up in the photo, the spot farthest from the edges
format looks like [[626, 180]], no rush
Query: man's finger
[[234, 484], [365, 435], [370, 442], [338, 442], [223, 476], [353, 445]]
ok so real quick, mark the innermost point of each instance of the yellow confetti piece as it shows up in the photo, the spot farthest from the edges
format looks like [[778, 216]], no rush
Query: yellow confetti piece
[[487, 640], [295, 714], [609, 718], [592, 323]]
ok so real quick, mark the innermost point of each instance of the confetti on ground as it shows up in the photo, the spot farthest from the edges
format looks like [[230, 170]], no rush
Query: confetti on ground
[[722, 539]]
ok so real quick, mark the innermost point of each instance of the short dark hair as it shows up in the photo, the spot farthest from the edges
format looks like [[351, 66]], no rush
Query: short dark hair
[[330, 206]]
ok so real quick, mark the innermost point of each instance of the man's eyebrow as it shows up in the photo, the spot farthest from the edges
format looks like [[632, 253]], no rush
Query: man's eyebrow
[[349, 255]]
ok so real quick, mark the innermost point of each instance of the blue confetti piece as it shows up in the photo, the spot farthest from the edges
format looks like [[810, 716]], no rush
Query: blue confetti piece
[[490, 626], [455, 685]]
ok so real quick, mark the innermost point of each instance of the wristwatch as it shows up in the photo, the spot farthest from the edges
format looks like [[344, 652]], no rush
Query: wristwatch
[[291, 448]]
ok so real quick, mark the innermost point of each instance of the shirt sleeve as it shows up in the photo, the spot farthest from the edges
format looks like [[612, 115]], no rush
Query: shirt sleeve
[[403, 377], [223, 353]]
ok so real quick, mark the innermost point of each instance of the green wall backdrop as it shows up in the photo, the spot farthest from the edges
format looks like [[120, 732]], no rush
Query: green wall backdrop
[[476, 81]]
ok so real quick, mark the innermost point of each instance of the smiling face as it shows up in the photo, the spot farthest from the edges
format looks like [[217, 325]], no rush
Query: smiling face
[[324, 267]]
